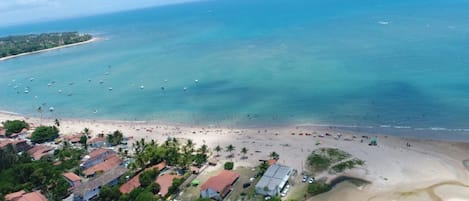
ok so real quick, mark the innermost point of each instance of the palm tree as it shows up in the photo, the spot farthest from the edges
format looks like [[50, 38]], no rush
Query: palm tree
[[86, 131], [274, 155], [190, 145], [229, 149], [40, 110], [244, 151], [218, 149], [203, 149]]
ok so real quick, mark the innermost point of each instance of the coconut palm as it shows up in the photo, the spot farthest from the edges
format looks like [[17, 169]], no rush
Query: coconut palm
[[244, 151], [218, 149], [274, 155], [203, 149], [230, 148]]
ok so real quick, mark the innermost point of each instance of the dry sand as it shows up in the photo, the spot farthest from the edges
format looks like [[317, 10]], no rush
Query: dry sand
[[428, 170]]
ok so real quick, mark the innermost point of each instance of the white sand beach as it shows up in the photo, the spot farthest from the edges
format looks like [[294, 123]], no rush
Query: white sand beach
[[94, 39], [427, 170]]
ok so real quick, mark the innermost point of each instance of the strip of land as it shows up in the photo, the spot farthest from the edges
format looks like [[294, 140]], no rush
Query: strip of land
[[94, 39], [398, 168]]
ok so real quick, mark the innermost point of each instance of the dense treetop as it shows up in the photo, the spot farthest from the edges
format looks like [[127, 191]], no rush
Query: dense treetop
[[13, 45], [14, 126]]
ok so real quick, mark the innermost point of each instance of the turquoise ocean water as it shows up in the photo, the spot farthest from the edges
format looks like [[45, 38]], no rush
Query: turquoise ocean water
[[392, 65]]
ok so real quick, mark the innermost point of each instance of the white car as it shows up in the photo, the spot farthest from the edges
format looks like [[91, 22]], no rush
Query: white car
[[311, 180]]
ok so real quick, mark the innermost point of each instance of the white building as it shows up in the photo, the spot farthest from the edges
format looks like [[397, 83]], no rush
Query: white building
[[274, 180]]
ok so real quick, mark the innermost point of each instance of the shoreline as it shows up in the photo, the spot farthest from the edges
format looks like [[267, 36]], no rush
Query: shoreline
[[391, 166], [447, 135], [93, 39]]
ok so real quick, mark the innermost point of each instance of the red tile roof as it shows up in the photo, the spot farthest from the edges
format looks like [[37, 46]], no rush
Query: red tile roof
[[72, 176], [97, 152], [133, 183], [4, 143], [220, 182], [160, 166], [165, 181], [39, 151], [97, 139], [73, 138], [130, 185], [111, 162], [23, 196], [15, 195], [271, 162]]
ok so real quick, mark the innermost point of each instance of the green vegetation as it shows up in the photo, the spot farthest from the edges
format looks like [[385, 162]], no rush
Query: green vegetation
[[148, 177], [115, 138], [19, 172], [171, 151], [318, 188], [14, 45], [230, 148], [228, 166], [204, 199], [14, 126], [218, 149], [175, 186], [321, 159], [44, 134], [109, 193], [146, 196], [340, 167], [274, 155]]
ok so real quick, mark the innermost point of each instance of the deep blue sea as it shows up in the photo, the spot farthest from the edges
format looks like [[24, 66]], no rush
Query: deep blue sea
[[401, 64]]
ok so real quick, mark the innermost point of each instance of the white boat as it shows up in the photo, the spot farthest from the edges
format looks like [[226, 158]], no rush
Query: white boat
[[26, 91], [110, 88], [185, 88], [142, 87], [60, 91], [51, 109], [196, 81]]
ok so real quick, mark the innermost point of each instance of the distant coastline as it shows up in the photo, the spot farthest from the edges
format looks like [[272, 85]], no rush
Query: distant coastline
[[93, 39]]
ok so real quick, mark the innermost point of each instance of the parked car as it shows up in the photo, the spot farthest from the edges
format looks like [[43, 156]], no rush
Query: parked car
[[311, 180], [267, 198], [305, 178], [245, 185]]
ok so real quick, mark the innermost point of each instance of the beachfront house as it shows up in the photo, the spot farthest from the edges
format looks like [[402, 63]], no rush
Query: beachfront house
[[90, 190], [17, 145], [217, 187], [107, 164], [98, 142], [95, 157], [274, 180], [39, 151]]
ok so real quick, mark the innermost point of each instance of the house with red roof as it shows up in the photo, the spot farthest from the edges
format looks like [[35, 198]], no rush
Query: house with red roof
[[134, 183], [74, 139], [38, 151], [109, 163], [219, 186], [95, 157], [98, 142], [24, 196], [73, 179], [165, 181], [18, 145]]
